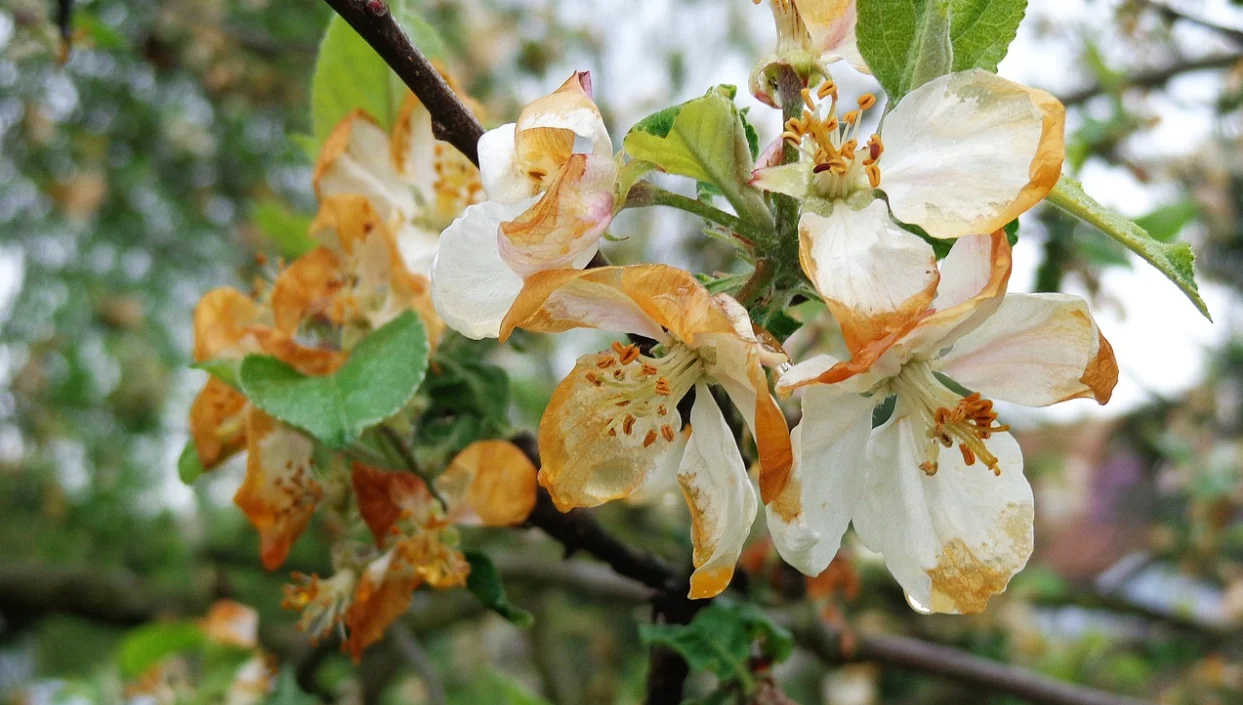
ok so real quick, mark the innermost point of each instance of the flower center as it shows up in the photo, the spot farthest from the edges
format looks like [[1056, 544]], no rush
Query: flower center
[[322, 602], [457, 184], [830, 142], [950, 419], [643, 392]]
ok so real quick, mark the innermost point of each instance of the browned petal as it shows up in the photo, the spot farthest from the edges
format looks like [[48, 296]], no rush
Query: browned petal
[[352, 219], [336, 144], [221, 320], [217, 423], [303, 358], [383, 495], [498, 479], [378, 602], [1046, 166], [232, 623], [962, 583], [772, 437], [279, 493], [306, 288], [553, 228], [1101, 374]]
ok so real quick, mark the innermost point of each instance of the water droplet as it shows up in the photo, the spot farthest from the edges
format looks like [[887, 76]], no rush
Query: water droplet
[[915, 605]]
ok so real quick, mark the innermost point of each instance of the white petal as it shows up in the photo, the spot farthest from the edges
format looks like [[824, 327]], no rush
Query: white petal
[[418, 247], [968, 152], [951, 540], [364, 166], [472, 287], [1036, 349], [719, 494], [873, 275], [808, 518], [502, 178], [664, 478], [793, 180]]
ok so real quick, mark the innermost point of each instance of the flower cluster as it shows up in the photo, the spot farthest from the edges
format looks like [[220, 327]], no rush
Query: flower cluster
[[383, 201], [901, 438]]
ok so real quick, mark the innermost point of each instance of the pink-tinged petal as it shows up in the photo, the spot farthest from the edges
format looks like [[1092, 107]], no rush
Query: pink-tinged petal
[[809, 517], [719, 494], [953, 539], [831, 26], [1036, 349], [279, 493], [566, 223], [874, 276], [974, 277], [472, 287], [548, 127], [968, 152]]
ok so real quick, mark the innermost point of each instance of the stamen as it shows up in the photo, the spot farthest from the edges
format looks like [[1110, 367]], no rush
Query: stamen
[[830, 142], [951, 420], [866, 101], [637, 395]]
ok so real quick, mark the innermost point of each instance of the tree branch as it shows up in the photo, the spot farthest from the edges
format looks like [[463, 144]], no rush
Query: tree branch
[[452, 122], [943, 661], [1153, 78], [421, 662], [1177, 14]]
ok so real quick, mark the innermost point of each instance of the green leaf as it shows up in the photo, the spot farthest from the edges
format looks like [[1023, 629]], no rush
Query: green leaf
[[289, 231], [720, 637], [982, 31], [189, 465], [349, 75], [1175, 260], [224, 369], [149, 644], [705, 140], [627, 177], [485, 583], [909, 42], [381, 375]]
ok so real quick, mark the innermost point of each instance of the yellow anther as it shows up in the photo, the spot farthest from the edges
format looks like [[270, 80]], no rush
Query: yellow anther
[[873, 172], [828, 88], [851, 117], [866, 101], [806, 93]]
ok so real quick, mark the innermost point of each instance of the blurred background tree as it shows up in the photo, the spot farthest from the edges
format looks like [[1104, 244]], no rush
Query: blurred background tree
[[167, 152]]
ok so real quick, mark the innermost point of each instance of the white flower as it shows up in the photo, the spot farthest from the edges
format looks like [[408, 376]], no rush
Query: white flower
[[810, 33], [939, 487], [549, 179], [962, 154]]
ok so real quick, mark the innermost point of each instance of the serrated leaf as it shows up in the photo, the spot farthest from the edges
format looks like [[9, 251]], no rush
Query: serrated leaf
[[1175, 260], [349, 75], [908, 42], [705, 140], [379, 378], [189, 465], [145, 646], [484, 582], [720, 637], [982, 31], [289, 231]]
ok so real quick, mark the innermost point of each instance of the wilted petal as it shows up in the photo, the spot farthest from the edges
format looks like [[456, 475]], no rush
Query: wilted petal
[[472, 287], [874, 276], [218, 422], [953, 539], [548, 127], [357, 159], [968, 152], [809, 517], [279, 493], [594, 450], [504, 179], [566, 224], [973, 283], [307, 288], [493, 479], [1037, 349], [384, 496], [719, 494], [221, 321]]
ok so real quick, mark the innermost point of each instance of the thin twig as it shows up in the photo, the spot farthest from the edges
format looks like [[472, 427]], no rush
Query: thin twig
[[452, 122], [407, 457], [1152, 79], [943, 661], [421, 662], [1178, 14]]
